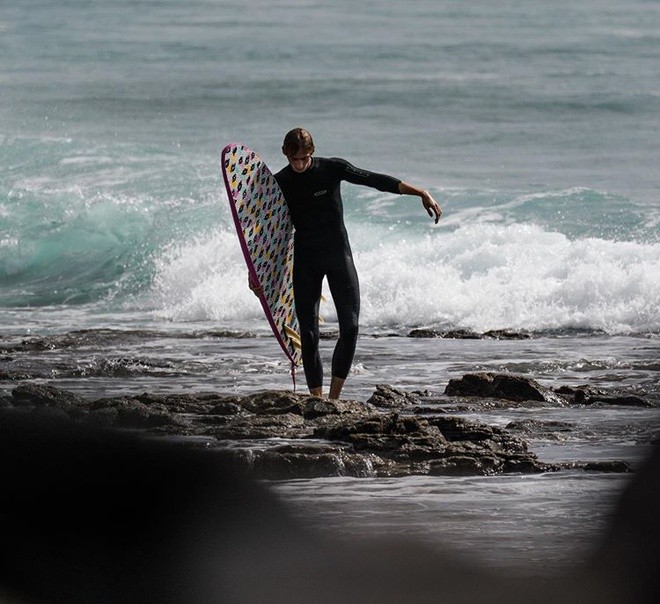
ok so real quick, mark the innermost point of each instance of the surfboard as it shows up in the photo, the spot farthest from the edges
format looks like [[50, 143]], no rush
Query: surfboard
[[265, 233]]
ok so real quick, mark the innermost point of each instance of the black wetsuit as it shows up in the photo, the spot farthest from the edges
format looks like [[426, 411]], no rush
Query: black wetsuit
[[322, 249]]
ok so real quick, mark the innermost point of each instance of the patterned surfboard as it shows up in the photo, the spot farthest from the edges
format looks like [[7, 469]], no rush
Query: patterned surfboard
[[265, 232]]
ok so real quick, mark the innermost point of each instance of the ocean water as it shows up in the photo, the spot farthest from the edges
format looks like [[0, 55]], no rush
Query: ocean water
[[534, 124]]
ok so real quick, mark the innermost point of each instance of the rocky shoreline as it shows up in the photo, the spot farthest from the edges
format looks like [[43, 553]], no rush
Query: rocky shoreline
[[282, 435]]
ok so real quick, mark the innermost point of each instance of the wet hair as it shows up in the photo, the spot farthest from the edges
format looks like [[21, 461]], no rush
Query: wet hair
[[297, 141]]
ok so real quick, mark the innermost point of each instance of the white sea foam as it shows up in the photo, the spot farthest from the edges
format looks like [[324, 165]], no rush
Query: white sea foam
[[486, 277], [479, 277], [204, 279]]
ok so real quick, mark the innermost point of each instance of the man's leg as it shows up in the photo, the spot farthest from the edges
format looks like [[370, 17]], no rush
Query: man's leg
[[345, 290], [307, 284]]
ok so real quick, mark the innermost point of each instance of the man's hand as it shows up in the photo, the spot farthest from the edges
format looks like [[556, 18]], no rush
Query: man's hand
[[256, 289]]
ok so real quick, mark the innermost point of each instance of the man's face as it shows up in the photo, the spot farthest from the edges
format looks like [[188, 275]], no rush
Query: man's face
[[300, 161]]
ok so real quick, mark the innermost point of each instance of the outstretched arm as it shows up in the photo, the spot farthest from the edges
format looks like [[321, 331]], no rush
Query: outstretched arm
[[382, 182], [430, 204]]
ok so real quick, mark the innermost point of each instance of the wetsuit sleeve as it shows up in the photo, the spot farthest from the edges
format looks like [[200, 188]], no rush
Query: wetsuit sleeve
[[357, 176]]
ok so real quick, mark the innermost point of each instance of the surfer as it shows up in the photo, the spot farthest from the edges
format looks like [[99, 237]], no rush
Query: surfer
[[311, 187]]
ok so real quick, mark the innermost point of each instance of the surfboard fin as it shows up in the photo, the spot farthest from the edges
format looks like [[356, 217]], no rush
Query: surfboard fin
[[321, 319], [293, 336]]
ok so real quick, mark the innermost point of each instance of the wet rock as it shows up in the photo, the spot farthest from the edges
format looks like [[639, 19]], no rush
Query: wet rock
[[307, 461], [316, 408], [421, 446], [624, 401], [388, 397], [502, 386], [458, 334], [225, 408], [461, 465], [524, 464], [547, 429], [319, 408], [458, 428], [329, 334], [279, 425], [38, 395], [425, 333], [578, 395], [135, 414], [465, 334], [384, 436], [15, 376], [503, 334], [430, 410], [197, 403], [587, 395], [608, 466], [121, 412], [380, 425], [271, 402], [274, 465]]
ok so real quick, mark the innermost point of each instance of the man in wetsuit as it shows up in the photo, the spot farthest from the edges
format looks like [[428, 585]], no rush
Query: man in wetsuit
[[311, 187]]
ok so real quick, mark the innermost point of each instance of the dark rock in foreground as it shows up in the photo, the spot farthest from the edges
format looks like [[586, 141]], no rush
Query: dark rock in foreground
[[96, 516], [283, 435]]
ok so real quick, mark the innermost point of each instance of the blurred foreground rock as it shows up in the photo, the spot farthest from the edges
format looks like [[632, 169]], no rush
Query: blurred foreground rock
[[97, 516]]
